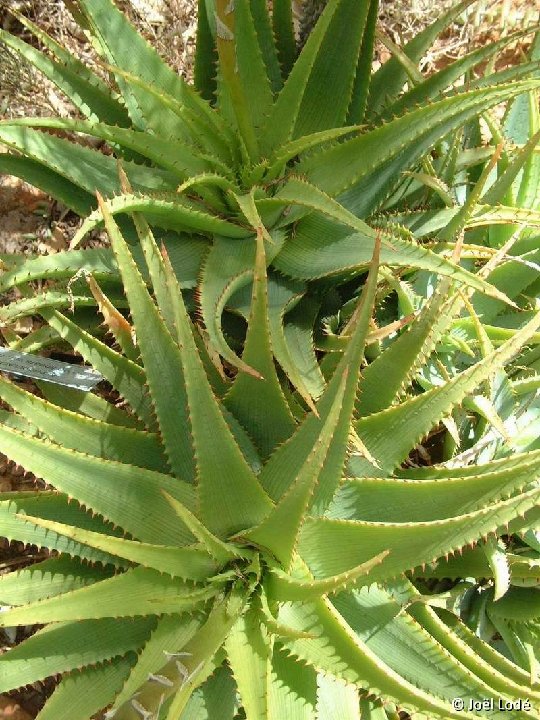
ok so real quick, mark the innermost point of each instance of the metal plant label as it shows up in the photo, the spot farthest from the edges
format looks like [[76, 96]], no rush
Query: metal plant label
[[78, 377]]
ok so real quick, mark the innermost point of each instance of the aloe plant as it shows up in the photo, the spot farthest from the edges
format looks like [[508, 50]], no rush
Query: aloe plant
[[247, 534]]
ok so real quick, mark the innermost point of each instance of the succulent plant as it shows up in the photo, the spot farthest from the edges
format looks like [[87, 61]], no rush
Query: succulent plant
[[246, 533]]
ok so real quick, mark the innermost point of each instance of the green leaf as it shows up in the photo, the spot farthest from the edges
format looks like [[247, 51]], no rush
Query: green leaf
[[223, 552], [342, 545], [339, 652], [282, 19], [249, 651], [127, 495], [161, 358], [111, 442], [205, 643], [362, 174], [404, 646], [518, 604], [258, 403], [242, 71], [125, 47], [287, 462], [435, 84], [327, 94], [473, 653], [89, 169], [227, 268], [362, 81], [388, 81], [204, 72], [180, 159], [124, 375], [392, 370], [291, 330], [87, 404], [230, 495], [89, 97], [56, 507], [498, 562], [191, 563], [174, 212], [103, 639], [289, 512], [268, 41], [48, 578], [81, 694], [390, 434], [51, 182], [60, 265], [284, 113], [337, 700], [433, 497], [169, 635], [284, 588], [140, 591], [216, 699], [321, 248]]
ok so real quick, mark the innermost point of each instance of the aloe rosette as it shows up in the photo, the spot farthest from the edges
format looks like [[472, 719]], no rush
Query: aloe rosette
[[246, 533]]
